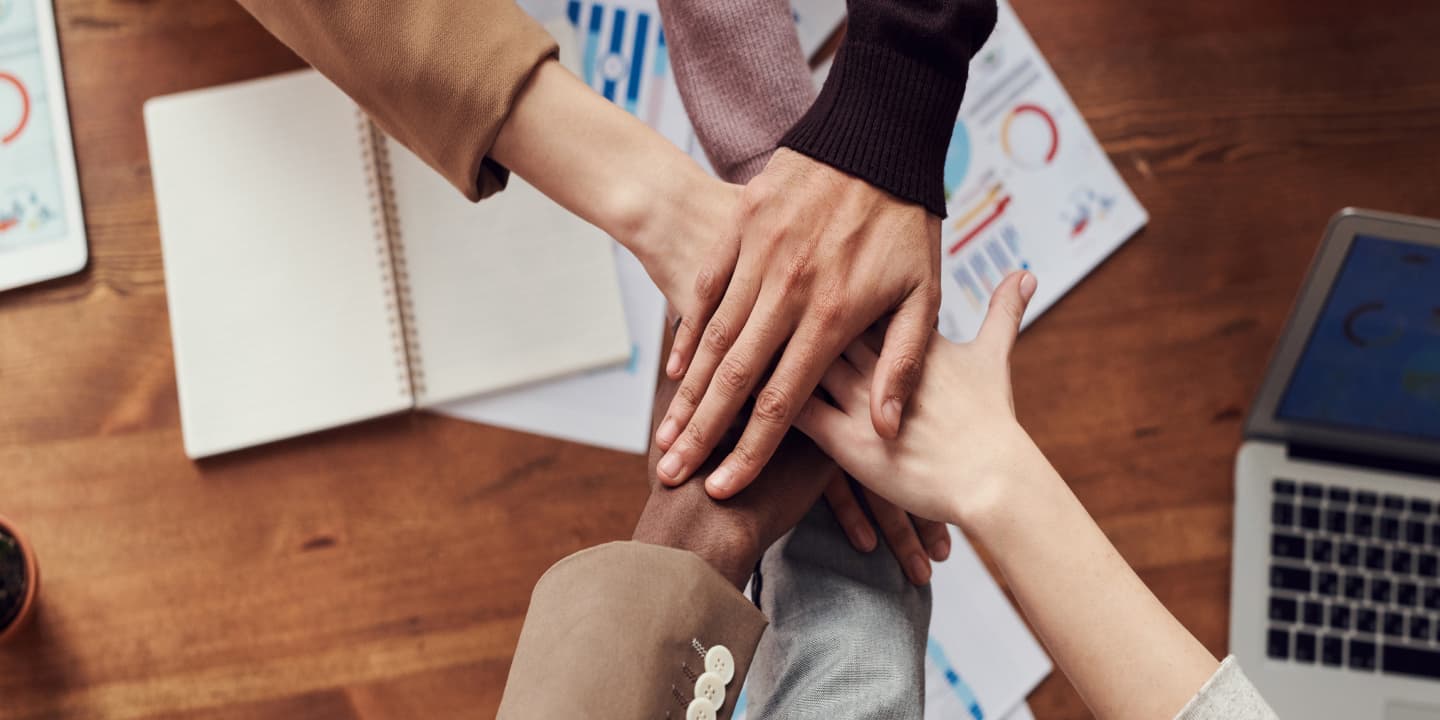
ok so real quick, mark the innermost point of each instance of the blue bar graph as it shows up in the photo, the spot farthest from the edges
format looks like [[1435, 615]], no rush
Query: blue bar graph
[[637, 61], [957, 683], [617, 42]]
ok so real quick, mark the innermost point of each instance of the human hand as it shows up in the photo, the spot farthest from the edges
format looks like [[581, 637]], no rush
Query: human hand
[[961, 439], [732, 535], [822, 256], [913, 541]]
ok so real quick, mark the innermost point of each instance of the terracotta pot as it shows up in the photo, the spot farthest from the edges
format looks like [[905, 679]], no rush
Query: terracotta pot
[[32, 583]]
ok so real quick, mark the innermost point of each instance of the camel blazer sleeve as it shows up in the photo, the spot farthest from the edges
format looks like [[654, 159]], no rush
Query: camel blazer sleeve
[[622, 631], [440, 76]]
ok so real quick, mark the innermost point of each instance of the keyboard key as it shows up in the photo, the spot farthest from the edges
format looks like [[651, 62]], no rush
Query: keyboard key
[[1421, 506], [1435, 535], [1401, 561], [1339, 617], [1355, 587], [1407, 594], [1287, 546], [1281, 486], [1389, 527], [1282, 514], [1314, 613], [1311, 490], [1419, 627], [1414, 532], [1366, 498], [1332, 650], [1327, 583], [1338, 495], [1336, 520], [1365, 620], [1294, 579], [1427, 565], [1394, 502], [1349, 555], [1375, 557], [1304, 647], [1380, 590], [1362, 654], [1322, 550], [1283, 609], [1309, 517], [1277, 644], [1362, 525], [1394, 624], [1432, 597], [1415, 662]]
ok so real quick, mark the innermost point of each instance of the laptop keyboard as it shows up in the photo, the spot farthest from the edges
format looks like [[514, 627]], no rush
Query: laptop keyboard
[[1354, 580]]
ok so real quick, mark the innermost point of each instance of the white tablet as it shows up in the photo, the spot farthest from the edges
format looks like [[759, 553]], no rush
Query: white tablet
[[42, 231]]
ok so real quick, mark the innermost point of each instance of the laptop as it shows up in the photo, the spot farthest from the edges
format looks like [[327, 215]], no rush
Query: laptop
[[1335, 587]]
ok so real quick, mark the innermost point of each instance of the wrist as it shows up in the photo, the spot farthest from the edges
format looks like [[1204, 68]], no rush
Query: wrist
[[1022, 480], [685, 518]]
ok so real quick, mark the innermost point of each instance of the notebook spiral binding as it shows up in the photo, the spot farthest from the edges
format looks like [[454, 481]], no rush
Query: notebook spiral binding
[[390, 248]]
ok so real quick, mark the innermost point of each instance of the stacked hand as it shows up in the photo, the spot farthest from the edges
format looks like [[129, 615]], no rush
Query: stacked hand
[[961, 444]]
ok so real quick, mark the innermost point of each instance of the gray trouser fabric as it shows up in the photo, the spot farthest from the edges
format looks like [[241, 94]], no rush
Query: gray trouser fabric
[[847, 631]]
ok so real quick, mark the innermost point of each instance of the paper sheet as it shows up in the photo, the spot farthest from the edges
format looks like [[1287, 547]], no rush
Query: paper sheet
[[609, 408]]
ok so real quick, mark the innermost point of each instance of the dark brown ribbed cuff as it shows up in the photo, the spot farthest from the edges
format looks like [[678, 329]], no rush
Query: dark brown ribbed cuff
[[886, 119]]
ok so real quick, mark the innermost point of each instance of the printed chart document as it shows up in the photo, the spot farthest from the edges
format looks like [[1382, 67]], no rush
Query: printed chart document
[[1027, 185], [619, 49]]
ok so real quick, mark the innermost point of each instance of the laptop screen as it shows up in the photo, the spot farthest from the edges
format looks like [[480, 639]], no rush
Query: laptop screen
[[1372, 362]]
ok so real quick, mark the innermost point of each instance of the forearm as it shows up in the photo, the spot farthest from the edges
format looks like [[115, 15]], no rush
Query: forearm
[[601, 163], [1125, 653], [742, 76]]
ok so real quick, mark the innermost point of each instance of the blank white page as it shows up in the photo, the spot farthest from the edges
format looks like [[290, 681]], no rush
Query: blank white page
[[278, 295], [511, 290]]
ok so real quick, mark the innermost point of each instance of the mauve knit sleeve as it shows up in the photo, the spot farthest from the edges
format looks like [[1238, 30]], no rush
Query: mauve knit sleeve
[[742, 76], [888, 108]]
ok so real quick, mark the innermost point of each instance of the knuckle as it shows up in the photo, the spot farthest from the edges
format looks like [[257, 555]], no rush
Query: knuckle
[[688, 395], [773, 406], [694, 437], [744, 456], [832, 308], [799, 270], [717, 336], [733, 377], [708, 286], [907, 372]]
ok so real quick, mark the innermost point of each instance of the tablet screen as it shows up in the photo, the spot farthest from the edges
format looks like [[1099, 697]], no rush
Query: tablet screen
[[31, 198]]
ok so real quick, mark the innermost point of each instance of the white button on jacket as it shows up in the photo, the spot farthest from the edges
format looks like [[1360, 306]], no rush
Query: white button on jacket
[[719, 661], [700, 709], [710, 687]]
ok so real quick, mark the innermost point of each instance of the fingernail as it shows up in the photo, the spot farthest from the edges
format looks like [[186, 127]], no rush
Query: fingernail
[[919, 568], [669, 465], [942, 550], [668, 430], [892, 412], [672, 366], [865, 538], [1027, 285], [721, 481]]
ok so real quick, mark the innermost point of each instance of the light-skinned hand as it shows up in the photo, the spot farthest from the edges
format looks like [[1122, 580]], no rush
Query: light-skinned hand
[[822, 256], [960, 439]]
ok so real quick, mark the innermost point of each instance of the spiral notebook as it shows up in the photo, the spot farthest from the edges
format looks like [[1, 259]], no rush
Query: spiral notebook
[[318, 273]]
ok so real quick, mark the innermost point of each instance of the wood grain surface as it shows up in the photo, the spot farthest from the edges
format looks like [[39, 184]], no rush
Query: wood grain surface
[[383, 570]]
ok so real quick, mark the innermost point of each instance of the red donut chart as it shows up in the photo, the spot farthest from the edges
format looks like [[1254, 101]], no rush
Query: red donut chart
[[11, 135]]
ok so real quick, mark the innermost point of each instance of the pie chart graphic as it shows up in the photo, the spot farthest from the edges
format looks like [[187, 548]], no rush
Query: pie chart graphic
[[1029, 136], [14, 107]]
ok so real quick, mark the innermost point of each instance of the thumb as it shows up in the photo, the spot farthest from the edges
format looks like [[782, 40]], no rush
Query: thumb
[[1007, 308], [901, 357]]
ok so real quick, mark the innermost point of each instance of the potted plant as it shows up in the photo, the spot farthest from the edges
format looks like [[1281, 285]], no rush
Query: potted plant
[[19, 581]]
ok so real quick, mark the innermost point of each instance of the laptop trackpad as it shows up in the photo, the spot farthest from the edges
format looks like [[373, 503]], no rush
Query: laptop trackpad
[[1405, 711]]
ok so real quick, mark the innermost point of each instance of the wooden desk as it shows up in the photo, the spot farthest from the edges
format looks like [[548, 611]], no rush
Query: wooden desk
[[382, 571]]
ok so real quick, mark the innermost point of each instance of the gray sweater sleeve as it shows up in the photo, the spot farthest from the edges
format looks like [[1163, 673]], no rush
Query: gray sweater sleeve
[[1227, 695]]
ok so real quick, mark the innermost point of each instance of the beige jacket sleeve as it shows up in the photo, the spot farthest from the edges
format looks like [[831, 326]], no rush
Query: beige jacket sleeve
[[440, 76], [621, 630]]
